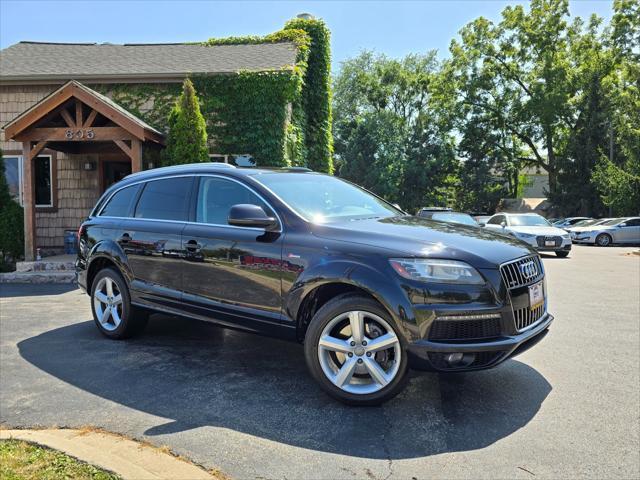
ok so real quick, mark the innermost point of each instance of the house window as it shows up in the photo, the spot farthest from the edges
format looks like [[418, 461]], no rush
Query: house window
[[13, 175], [216, 157], [43, 174], [243, 160]]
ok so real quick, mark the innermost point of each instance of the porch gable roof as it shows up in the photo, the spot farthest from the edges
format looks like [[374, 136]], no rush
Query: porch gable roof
[[98, 102]]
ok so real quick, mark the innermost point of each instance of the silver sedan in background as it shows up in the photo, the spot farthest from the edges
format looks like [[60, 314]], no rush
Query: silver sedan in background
[[618, 230]]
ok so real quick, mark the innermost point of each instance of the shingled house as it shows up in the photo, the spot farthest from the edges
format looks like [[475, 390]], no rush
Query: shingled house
[[78, 117]]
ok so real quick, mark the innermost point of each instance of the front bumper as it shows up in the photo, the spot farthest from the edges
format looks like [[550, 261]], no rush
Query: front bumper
[[563, 245], [430, 355], [583, 238]]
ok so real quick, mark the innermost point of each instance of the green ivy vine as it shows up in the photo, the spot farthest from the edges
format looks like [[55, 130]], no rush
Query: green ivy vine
[[280, 117]]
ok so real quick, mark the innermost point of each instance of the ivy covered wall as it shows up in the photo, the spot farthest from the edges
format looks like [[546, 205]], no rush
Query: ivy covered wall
[[280, 117]]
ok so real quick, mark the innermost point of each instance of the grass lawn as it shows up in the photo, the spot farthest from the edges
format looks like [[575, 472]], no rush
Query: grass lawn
[[24, 461]]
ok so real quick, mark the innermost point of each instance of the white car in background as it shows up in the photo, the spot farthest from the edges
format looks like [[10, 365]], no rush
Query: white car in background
[[532, 229], [617, 230]]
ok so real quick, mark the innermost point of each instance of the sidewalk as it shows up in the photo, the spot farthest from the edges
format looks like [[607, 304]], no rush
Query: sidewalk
[[127, 458]]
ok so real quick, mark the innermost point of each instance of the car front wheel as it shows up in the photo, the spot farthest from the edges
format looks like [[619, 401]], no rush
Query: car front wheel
[[111, 306], [603, 240], [354, 351]]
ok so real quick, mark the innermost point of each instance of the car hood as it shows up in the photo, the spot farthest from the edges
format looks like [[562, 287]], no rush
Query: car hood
[[547, 231], [421, 237]]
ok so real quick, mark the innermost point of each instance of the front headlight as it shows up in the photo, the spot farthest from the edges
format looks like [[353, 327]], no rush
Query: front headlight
[[435, 270], [566, 237], [524, 235]]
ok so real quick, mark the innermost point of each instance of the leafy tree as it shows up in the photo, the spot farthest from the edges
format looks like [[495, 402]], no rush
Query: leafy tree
[[618, 179], [481, 184], [517, 74], [389, 134], [588, 138], [187, 138]]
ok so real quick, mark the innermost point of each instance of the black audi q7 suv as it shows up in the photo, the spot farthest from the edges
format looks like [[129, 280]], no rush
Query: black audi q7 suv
[[368, 289]]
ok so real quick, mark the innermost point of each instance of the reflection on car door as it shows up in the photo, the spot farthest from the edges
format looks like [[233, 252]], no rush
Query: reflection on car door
[[231, 271], [152, 240]]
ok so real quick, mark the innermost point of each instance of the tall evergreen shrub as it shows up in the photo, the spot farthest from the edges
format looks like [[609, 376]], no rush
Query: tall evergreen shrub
[[187, 138]]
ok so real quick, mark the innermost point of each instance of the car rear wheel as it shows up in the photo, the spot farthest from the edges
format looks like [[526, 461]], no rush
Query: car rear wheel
[[354, 351], [603, 240], [111, 306], [562, 254]]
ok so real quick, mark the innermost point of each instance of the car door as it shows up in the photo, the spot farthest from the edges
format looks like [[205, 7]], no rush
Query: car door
[[628, 231], [231, 273], [152, 240]]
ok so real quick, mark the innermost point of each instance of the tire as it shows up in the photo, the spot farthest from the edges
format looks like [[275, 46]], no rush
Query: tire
[[110, 288], [331, 351], [562, 254], [604, 240]]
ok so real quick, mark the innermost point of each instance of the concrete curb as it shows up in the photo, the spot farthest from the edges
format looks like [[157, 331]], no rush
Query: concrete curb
[[127, 458]]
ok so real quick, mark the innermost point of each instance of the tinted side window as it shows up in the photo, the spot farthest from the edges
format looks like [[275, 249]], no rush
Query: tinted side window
[[165, 199], [120, 204], [497, 220], [216, 196], [633, 223]]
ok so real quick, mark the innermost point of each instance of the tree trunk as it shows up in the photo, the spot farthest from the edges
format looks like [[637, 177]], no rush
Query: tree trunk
[[551, 157]]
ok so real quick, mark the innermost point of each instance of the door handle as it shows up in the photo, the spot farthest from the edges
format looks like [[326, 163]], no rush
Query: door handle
[[193, 246], [124, 238]]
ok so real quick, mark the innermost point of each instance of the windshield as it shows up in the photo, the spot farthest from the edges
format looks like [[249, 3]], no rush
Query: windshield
[[527, 221], [321, 198], [614, 221], [452, 217], [584, 223]]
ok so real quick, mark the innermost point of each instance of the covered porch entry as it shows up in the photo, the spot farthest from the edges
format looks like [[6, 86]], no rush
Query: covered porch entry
[[75, 143]]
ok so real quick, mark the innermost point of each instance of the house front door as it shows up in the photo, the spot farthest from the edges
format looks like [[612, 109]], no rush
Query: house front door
[[114, 171]]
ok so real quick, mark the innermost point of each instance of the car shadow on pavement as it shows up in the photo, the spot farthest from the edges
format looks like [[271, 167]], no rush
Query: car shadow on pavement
[[8, 290], [197, 374]]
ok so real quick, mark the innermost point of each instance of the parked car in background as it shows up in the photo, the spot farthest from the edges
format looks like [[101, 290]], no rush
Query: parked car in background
[[449, 216], [482, 219], [586, 224], [368, 289], [569, 222], [617, 230], [532, 229]]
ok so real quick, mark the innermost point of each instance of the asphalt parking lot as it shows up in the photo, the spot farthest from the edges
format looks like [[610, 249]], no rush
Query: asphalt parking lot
[[245, 404]]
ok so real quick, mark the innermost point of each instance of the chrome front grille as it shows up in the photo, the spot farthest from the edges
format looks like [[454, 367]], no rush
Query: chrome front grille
[[521, 272], [525, 317]]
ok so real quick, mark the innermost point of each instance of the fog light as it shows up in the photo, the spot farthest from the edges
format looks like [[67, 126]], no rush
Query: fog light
[[453, 357]]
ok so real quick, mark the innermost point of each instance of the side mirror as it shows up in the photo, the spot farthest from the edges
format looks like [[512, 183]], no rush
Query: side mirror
[[622, 225], [503, 224], [246, 215]]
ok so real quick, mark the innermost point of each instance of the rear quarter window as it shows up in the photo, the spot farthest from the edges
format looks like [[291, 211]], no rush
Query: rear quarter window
[[121, 203], [166, 199]]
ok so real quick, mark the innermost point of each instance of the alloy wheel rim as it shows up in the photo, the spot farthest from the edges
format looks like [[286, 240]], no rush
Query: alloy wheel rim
[[604, 240], [359, 352], [107, 303]]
